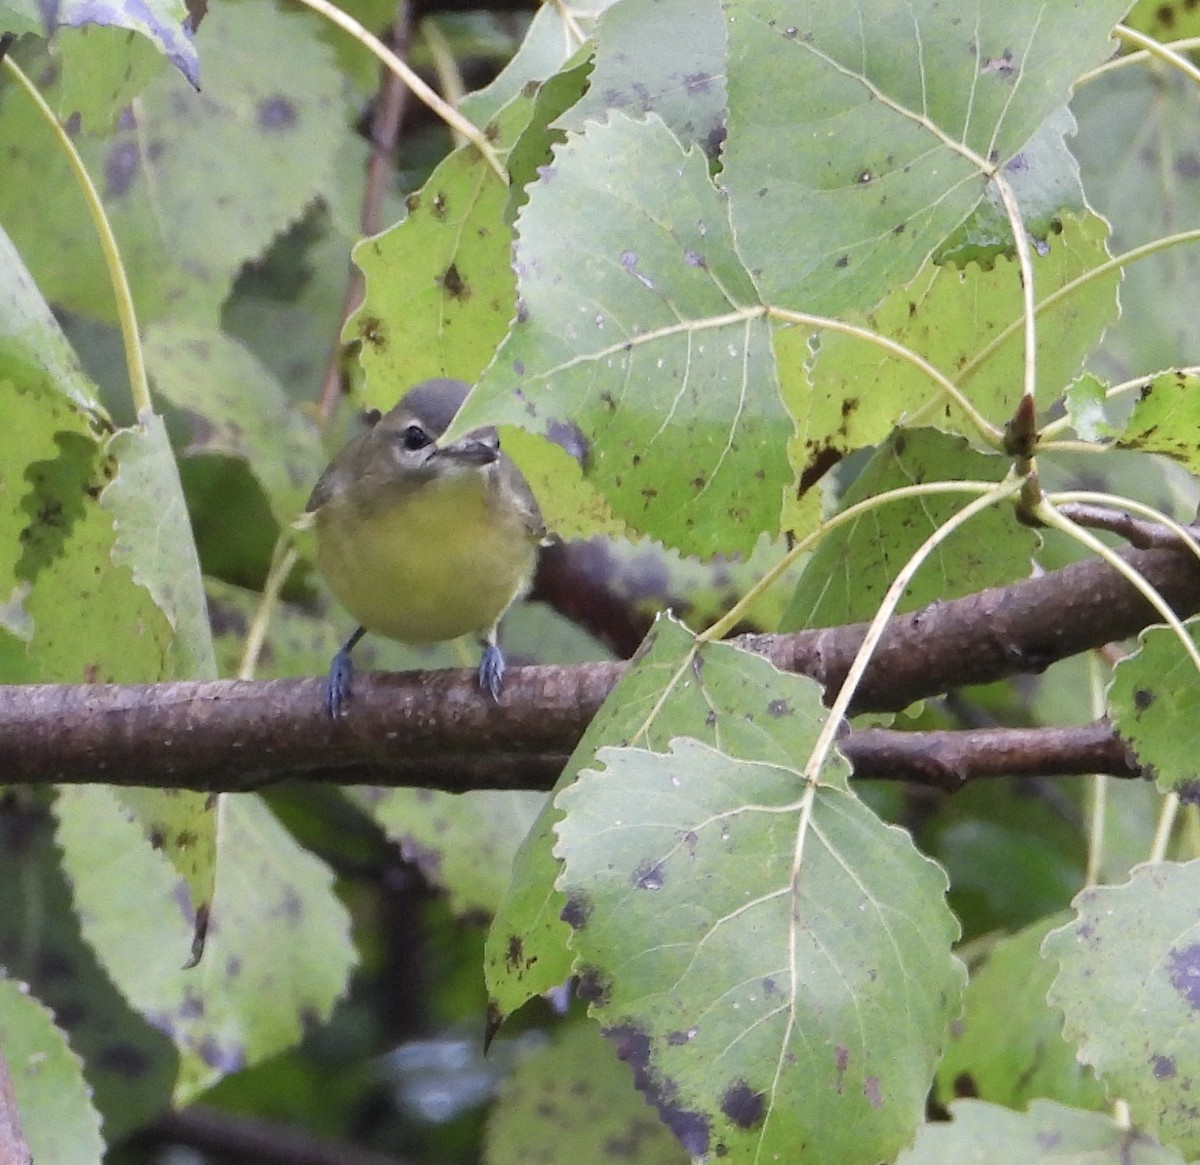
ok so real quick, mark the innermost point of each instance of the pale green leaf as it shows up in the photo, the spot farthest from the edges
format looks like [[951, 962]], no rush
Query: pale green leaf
[[859, 133], [660, 56], [1154, 704], [967, 323], [154, 539], [278, 951], [130, 1066], [1048, 1134], [713, 692], [440, 290], [575, 1092], [637, 326], [1166, 419], [237, 408], [1007, 1047], [771, 959], [53, 1103], [1129, 985], [1085, 401], [103, 70], [852, 567]]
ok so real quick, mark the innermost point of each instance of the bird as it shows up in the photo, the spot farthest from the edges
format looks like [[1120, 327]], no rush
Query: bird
[[423, 541]]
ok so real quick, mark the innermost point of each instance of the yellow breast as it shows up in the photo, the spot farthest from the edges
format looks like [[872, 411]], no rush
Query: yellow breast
[[427, 564]]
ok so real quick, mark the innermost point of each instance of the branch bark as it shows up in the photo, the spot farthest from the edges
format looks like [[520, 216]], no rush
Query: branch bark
[[432, 729]]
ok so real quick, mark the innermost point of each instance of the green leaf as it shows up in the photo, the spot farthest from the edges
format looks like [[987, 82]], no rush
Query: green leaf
[[967, 323], [859, 133], [1164, 20], [771, 959], [237, 408], [1129, 985], [674, 687], [1154, 704], [53, 1102], [278, 951], [129, 1065], [440, 290], [1086, 400], [165, 23], [660, 56], [462, 843], [1008, 1047], [575, 1092], [1166, 419], [637, 324], [1048, 1134], [154, 539], [185, 218], [852, 567], [103, 70]]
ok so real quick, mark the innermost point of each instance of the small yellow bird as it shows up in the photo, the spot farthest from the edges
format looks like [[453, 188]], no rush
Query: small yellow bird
[[423, 542]]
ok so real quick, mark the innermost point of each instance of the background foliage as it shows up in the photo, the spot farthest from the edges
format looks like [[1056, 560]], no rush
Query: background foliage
[[746, 265]]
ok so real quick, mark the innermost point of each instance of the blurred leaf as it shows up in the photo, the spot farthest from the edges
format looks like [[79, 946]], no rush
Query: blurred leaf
[[1141, 170], [852, 567], [163, 22], [1154, 704], [660, 56], [633, 327], [1086, 399], [130, 1066], [462, 843], [1048, 1134], [185, 218], [772, 960], [278, 950], [674, 687], [888, 112], [1008, 1046], [1129, 985], [575, 1092], [1165, 20], [54, 1108], [237, 408]]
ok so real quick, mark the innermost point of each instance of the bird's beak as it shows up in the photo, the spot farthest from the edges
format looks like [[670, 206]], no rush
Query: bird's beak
[[481, 447]]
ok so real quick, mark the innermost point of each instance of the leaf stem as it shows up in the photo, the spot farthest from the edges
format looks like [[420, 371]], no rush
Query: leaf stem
[[420, 90], [135, 365], [1099, 782], [283, 560], [1159, 50], [449, 76], [1136, 58], [1025, 264]]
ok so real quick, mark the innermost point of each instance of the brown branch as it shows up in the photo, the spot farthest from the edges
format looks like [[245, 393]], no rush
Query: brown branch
[[433, 729]]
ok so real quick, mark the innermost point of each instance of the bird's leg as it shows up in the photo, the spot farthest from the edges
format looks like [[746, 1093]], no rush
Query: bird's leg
[[341, 671], [491, 666]]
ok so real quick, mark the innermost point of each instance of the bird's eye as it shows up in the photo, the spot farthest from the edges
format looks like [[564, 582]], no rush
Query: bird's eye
[[414, 437]]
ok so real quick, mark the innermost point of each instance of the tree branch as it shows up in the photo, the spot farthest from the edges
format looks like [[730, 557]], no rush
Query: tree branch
[[432, 729]]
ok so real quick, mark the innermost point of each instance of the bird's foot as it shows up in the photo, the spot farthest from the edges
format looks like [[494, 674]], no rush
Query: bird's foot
[[491, 670], [341, 674]]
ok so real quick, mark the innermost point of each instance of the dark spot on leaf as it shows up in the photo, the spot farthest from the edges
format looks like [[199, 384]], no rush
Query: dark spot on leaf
[[769, 986], [157, 837], [690, 1128], [965, 1086], [439, 209], [1184, 968], [864, 177], [224, 1060], [569, 436], [529, 89], [819, 464], [1049, 1138], [372, 331], [692, 259], [514, 952], [454, 284], [1188, 792], [576, 912], [873, 1092], [648, 876], [233, 967], [413, 202], [844, 261], [778, 708], [191, 1006], [678, 1039], [1164, 1067], [594, 986], [743, 1106], [1001, 66], [1142, 699], [120, 168], [276, 113], [522, 312], [1187, 166]]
